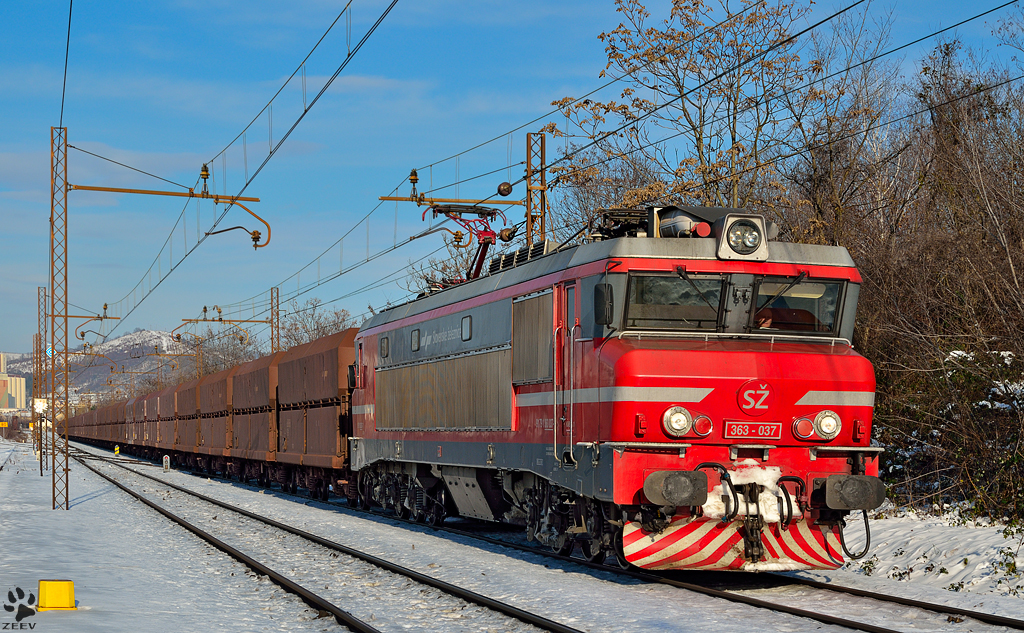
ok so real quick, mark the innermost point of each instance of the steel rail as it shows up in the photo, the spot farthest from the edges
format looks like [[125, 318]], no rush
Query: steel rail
[[987, 618], [732, 597], [454, 590], [343, 617], [9, 455]]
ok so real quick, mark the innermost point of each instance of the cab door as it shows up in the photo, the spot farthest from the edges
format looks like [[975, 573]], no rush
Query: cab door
[[567, 375]]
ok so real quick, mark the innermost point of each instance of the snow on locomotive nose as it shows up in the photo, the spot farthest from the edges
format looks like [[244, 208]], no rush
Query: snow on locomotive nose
[[784, 453]]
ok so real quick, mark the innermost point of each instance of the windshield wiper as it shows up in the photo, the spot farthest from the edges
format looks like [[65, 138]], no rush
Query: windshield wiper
[[682, 273], [778, 294]]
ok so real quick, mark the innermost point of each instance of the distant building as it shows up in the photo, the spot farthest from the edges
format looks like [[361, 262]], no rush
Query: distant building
[[12, 388]]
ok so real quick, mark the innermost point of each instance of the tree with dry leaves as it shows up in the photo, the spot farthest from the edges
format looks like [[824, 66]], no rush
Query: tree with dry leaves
[[311, 320], [709, 79]]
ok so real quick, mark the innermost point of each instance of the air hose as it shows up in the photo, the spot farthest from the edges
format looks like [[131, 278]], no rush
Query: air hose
[[867, 541]]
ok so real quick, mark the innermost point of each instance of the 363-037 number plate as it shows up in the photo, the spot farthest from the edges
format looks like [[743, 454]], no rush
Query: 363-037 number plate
[[753, 430]]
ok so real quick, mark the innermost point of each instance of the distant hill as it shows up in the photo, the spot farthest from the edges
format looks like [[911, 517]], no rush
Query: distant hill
[[90, 374]]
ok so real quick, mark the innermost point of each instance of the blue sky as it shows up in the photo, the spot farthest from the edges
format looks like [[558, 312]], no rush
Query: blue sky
[[164, 86]]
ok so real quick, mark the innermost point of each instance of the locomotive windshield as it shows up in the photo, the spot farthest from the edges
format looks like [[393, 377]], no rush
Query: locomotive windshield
[[676, 302], [796, 304]]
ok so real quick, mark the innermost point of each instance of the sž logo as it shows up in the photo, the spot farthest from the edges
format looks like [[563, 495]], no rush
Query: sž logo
[[21, 606], [755, 397]]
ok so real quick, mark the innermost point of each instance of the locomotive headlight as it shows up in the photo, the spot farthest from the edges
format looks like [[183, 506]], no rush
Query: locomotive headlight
[[743, 236], [676, 421], [827, 425]]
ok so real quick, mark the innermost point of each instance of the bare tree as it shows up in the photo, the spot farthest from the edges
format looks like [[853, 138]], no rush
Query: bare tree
[[444, 270], [312, 320], [709, 77]]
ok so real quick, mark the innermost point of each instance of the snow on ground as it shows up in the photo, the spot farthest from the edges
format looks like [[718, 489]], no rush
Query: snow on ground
[[946, 559], [133, 570], [366, 591]]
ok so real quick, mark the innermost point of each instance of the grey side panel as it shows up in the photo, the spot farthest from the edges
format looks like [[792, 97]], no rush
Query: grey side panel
[[462, 392], [849, 311], [592, 475], [440, 337], [466, 492], [532, 340]]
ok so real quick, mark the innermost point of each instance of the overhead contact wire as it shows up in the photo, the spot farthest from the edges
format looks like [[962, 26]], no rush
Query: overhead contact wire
[[596, 90], [228, 206], [791, 91], [285, 84], [509, 133]]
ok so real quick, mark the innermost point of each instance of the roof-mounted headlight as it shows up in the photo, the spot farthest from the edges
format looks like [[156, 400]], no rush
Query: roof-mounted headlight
[[742, 236]]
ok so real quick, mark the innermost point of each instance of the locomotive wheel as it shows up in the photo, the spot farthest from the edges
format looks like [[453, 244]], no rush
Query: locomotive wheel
[[620, 555], [418, 497], [401, 510], [563, 545], [365, 493], [593, 551], [437, 512], [402, 499]]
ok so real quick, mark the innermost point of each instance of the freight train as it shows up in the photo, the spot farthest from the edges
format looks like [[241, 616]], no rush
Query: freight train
[[678, 392]]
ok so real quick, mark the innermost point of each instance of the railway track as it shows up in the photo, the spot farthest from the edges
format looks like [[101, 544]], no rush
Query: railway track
[[987, 618], [313, 599], [955, 614]]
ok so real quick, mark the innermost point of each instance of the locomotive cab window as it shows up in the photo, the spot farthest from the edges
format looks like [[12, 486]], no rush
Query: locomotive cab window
[[796, 304], [384, 347], [684, 301]]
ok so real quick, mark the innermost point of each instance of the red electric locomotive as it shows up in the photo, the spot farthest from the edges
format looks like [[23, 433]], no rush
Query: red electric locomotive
[[680, 392]]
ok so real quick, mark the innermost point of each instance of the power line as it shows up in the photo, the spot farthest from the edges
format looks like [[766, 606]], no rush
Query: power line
[[598, 89], [877, 126], [725, 72], [67, 52], [111, 160], [365, 218], [340, 240], [306, 110], [285, 84], [731, 69], [219, 218], [477, 177], [789, 92], [305, 289]]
